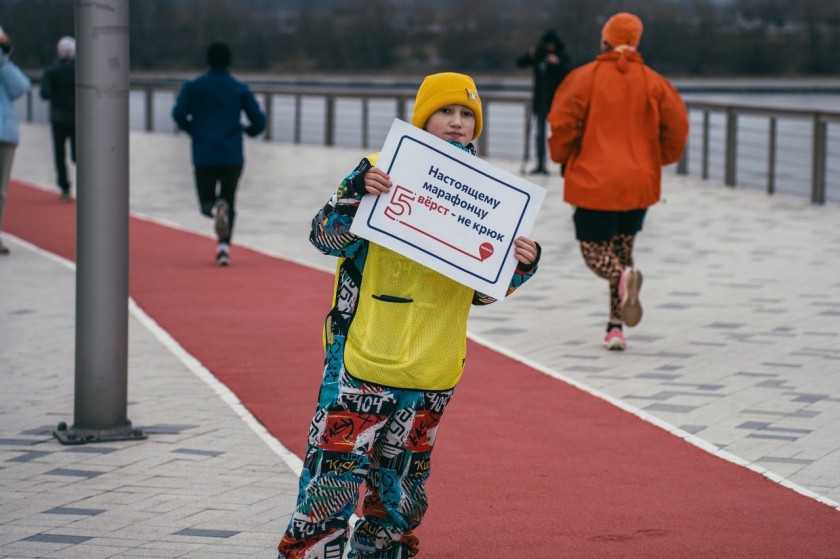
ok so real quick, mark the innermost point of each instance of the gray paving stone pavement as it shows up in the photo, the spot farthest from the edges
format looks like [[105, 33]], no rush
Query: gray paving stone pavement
[[739, 353], [204, 484]]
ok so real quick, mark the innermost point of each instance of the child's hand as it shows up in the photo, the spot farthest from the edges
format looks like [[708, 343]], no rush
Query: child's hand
[[525, 250], [377, 181]]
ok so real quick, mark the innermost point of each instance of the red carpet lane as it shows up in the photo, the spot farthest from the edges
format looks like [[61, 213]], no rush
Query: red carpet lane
[[525, 465]]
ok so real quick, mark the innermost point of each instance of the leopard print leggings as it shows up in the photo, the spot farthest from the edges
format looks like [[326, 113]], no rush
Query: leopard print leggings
[[608, 259]]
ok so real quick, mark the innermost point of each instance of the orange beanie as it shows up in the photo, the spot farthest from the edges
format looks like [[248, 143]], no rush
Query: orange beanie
[[622, 29]]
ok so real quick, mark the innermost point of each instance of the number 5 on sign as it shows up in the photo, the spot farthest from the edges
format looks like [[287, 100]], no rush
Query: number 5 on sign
[[449, 210], [399, 204]]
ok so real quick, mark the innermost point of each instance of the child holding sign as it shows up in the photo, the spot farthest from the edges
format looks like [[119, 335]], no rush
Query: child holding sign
[[395, 344]]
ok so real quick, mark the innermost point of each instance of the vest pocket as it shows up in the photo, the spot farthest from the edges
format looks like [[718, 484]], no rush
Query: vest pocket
[[385, 332], [391, 299]]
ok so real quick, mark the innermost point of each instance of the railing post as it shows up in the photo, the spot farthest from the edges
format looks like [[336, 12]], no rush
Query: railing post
[[818, 162], [731, 146], [269, 116], [771, 157], [29, 106], [329, 121], [526, 132], [365, 124], [704, 172], [296, 134], [149, 103], [401, 108], [682, 164], [482, 140]]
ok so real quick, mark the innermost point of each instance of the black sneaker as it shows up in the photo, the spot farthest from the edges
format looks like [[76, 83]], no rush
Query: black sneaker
[[222, 223]]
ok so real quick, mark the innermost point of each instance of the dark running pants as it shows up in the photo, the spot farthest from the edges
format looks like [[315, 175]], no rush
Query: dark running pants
[[61, 133], [218, 182]]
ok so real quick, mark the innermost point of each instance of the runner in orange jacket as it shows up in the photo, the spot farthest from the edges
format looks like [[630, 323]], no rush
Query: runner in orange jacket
[[614, 124]]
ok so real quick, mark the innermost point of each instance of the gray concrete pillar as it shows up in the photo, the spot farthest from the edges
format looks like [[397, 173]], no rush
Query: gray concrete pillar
[[102, 94]]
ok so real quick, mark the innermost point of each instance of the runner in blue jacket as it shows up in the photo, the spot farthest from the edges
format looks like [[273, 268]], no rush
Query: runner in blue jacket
[[209, 108]]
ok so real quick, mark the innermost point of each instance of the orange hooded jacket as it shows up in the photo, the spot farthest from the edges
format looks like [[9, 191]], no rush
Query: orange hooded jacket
[[614, 124]]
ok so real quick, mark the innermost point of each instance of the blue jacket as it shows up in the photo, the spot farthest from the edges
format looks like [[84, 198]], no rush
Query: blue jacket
[[209, 109], [13, 84]]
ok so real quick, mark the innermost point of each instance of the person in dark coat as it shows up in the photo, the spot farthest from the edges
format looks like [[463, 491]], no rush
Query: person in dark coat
[[550, 64], [58, 86], [209, 108]]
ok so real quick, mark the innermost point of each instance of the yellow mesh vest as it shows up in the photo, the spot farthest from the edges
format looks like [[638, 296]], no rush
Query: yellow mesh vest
[[409, 329]]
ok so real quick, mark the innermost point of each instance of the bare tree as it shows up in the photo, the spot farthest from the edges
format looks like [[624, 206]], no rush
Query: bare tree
[[682, 37]]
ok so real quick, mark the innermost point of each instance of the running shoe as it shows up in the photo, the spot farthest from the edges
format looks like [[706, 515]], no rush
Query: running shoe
[[222, 223], [628, 289], [222, 257], [614, 340]]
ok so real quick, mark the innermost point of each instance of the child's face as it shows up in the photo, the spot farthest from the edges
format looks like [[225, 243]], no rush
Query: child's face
[[452, 122]]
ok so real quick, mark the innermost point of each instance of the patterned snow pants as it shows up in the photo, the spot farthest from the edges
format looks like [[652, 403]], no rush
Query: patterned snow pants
[[368, 433]]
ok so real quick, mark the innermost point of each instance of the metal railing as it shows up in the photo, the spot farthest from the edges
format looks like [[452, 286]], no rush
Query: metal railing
[[801, 154], [331, 96], [788, 151]]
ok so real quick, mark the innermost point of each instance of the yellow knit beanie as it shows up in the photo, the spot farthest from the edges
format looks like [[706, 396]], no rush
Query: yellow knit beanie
[[447, 88]]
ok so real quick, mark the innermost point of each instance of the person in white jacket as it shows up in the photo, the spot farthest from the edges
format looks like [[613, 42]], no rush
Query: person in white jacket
[[13, 84]]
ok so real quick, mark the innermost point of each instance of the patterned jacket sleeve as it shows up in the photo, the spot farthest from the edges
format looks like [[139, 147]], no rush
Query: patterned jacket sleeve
[[330, 232], [523, 273]]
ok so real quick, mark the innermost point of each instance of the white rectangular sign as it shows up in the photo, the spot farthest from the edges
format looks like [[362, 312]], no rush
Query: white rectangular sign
[[449, 210]]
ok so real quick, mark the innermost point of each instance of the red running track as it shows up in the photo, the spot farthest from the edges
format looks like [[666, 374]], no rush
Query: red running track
[[525, 466]]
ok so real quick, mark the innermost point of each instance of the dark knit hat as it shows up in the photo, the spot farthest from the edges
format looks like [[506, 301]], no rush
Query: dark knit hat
[[622, 29], [218, 54]]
